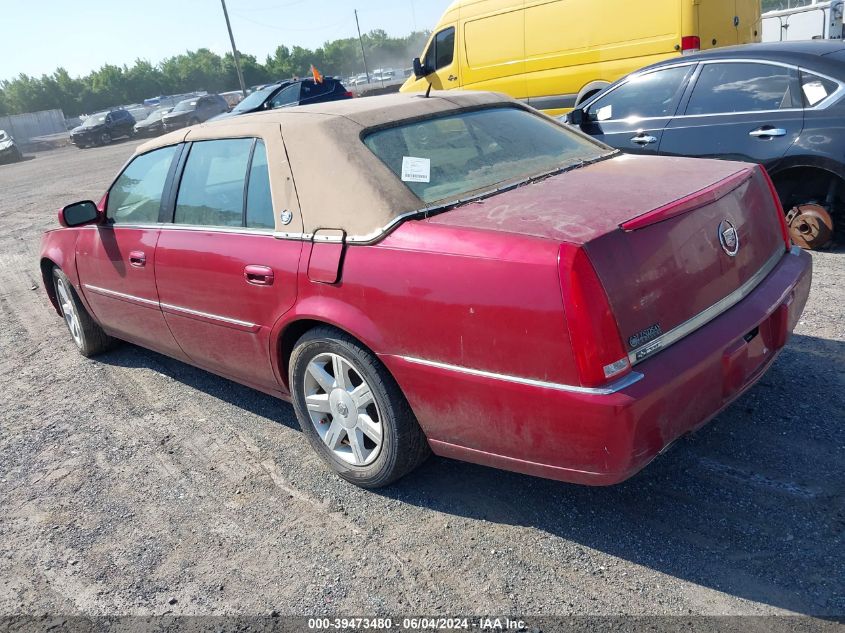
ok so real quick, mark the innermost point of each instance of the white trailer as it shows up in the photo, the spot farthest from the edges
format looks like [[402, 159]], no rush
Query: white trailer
[[815, 19]]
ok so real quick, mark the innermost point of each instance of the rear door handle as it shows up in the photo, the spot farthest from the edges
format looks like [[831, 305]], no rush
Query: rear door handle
[[767, 132], [643, 139], [138, 259], [259, 275]]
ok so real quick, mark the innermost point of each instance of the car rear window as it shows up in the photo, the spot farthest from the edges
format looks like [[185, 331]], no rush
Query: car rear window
[[449, 156]]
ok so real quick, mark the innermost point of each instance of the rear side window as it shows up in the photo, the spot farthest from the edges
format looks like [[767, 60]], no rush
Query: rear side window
[[211, 192], [654, 94], [259, 204], [743, 87], [286, 96], [815, 89], [135, 197]]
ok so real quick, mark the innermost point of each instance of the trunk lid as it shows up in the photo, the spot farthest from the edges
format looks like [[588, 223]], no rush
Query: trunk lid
[[659, 233]]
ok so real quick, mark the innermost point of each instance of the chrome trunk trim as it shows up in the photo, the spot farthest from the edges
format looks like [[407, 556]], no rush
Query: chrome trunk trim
[[705, 316]]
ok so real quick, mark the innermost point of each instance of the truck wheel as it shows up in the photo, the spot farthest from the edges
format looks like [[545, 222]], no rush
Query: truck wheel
[[89, 337], [352, 411]]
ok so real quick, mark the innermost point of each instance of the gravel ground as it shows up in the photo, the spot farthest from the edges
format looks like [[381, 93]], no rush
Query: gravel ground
[[135, 484]]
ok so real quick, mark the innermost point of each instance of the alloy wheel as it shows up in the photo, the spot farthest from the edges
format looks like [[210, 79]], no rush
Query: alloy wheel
[[343, 409], [69, 311]]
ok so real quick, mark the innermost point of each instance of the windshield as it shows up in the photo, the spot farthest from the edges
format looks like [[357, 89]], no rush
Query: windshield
[[184, 106], [95, 119], [449, 156], [255, 99]]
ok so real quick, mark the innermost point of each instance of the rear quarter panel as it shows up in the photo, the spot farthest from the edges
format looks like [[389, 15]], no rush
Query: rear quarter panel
[[821, 143], [469, 298]]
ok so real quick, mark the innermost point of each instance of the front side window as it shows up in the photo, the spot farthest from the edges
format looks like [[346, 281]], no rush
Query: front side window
[[816, 89], [743, 87], [211, 192], [651, 95], [135, 197], [444, 44], [259, 204], [441, 51], [448, 156]]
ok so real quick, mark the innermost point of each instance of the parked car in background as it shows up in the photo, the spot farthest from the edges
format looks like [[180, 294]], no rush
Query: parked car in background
[[779, 104], [558, 54], [194, 110], [361, 79], [102, 128], [9, 150], [139, 112], [152, 125], [630, 298], [233, 97], [384, 75], [290, 93]]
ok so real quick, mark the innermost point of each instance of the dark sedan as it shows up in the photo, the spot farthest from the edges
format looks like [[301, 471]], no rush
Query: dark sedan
[[152, 125], [291, 93], [102, 128], [194, 110], [777, 104]]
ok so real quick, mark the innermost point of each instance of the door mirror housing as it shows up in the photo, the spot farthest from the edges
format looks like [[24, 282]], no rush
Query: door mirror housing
[[79, 214], [420, 69], [576, 116]]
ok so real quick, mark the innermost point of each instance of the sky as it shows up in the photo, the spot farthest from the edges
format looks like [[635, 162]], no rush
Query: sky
[[40, 35]]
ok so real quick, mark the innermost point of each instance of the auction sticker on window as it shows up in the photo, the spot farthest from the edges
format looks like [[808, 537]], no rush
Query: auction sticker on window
[[416, 169]]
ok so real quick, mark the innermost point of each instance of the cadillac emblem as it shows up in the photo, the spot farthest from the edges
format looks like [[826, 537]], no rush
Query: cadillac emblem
[[728, 238]]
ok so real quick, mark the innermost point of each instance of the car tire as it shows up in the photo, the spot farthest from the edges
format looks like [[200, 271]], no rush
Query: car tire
[[105, 138], [18, 155], [194, 121], [386, 441], [87, 335]]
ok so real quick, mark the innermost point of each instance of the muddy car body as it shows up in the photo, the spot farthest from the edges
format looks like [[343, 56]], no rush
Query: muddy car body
[[456, 272]]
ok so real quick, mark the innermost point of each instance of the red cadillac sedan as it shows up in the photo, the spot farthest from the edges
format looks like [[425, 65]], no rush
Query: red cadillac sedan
[[457, 273]]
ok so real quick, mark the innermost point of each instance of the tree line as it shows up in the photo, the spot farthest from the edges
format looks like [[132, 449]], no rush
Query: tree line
[[199, 70]]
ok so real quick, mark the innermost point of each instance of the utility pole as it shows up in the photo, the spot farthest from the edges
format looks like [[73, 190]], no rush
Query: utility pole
[[361, 40], [234, 49]]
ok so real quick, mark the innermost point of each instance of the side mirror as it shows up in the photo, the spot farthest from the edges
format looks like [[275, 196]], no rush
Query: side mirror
[[420, 70], [576, 117], [79, 214]]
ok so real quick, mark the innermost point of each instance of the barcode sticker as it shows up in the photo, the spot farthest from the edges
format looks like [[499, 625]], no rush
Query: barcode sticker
[[416, 169]]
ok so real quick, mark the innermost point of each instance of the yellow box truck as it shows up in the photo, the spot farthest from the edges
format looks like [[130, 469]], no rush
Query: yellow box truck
[[556, 53]]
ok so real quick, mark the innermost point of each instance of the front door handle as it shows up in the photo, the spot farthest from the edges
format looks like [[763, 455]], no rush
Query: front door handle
[[452, 78], [258, 275], [643, 139], [767, 132], [138, 259]]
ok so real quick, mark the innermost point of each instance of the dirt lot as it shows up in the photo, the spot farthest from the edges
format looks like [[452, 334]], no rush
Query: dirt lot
[[132, 481]]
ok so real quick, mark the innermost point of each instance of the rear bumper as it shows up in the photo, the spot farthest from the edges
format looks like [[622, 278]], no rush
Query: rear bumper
[[605, 438]]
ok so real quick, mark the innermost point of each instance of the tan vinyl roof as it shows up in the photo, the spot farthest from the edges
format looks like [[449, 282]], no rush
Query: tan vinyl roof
[[340, 183]]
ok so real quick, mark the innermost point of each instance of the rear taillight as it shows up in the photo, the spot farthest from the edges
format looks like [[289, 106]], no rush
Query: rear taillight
[[784, 229], [596, 343], [349, 94], [690, 44]]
